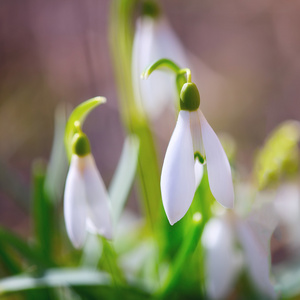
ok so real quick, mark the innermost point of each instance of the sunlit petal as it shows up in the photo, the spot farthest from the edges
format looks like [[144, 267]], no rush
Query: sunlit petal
[[178, 177], [97, 199], [222, 260], [218, 167], [75, 203]]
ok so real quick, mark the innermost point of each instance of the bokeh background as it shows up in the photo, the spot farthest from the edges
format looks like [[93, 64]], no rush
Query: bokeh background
[[246, 58]]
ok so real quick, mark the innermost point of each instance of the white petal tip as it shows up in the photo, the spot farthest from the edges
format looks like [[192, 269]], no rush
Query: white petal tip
[[174, 218], [108, 235], [229, 205], [174, 214], [171, 222], [77, 244]]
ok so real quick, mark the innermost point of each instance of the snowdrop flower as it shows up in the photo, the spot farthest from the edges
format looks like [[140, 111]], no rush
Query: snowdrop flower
[[154, 39], [253, 234], [86, 202], [218, 239], [287, 206], [193, 138]]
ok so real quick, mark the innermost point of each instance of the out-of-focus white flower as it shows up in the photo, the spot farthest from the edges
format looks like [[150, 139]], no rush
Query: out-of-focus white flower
[[193, 138], [86, 202], [224, 260], [287, 205], [154, 39]]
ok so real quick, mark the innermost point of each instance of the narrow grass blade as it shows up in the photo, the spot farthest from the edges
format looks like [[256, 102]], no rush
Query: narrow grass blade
[[124, 176]]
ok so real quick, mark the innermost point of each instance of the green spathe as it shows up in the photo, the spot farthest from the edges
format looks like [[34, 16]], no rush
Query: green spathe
[[79, 114], [80, 144], [189, 97]]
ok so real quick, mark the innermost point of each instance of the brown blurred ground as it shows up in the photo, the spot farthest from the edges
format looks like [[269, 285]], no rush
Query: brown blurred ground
[[53, 52]]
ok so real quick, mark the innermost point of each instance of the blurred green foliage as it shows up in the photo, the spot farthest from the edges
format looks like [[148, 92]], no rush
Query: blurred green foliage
[[279, 155]]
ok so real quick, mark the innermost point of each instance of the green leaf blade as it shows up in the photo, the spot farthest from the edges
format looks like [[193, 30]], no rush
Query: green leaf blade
[[124, 175]]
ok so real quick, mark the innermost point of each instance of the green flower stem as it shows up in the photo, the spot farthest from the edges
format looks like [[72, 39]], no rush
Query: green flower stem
[[121, 39], [188, 74], [190, 254], [109, 261], [186, 250], [182, 75], [162, 63], [180, 81]]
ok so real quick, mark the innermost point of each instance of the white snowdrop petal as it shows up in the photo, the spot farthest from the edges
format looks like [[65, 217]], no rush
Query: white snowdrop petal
[[178, 177], [151, 94], [153, 40], [75, 203], [218, 167], [97, 199], [257, 259], [287, 205], [198, 168], [142, 46], [168, 44], [222, 260], [262, 221], [197, 134], [90, 227]]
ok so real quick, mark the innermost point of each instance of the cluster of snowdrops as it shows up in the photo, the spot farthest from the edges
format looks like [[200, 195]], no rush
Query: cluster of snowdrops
[[203, 232]]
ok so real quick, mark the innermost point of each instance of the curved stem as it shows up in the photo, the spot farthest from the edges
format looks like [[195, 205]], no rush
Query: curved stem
[[162, 63], [188, 74]]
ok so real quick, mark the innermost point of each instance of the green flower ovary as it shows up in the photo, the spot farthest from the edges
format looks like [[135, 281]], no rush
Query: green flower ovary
[[189, 97], [151, 9], [80, 144]]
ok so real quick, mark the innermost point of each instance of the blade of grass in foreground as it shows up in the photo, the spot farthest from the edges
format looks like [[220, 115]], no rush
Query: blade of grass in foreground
[[42, 212], [124, 176], [54, 278], [9, 262], [58, 165], [25, 251]]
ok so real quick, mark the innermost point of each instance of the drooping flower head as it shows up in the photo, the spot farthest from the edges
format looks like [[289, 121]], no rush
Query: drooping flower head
[[192, 139], [86, 202], [154, 39]]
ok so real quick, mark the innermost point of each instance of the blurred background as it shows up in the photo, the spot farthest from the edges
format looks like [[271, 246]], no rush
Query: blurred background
[[247, 67]]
